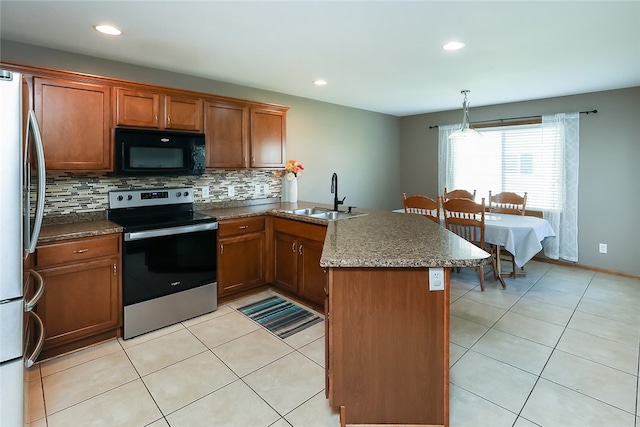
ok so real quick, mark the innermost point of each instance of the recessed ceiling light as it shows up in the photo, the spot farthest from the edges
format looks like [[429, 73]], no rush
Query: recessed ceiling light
[[453, 46], [320, 82], [107, 29]]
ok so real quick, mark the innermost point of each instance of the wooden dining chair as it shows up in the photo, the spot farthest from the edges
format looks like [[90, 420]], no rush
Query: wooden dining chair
[[458, 194], [465, 218], [422, 205], [508, 203]]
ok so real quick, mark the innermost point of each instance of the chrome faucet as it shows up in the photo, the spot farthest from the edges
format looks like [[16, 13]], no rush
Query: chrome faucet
[[334, 191]]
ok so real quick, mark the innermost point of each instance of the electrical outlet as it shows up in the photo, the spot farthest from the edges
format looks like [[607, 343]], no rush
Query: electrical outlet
[[231, 191], [436, 279], [258, 189], [603, 248], [205, 192]]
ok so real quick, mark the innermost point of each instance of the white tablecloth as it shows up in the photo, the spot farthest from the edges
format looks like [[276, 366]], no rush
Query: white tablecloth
[[523, 236]]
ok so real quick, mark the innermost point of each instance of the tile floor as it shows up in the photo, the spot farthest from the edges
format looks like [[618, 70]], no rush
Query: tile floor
[[556, 348]]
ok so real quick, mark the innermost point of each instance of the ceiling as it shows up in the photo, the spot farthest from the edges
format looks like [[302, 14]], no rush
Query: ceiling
[[383, 56]]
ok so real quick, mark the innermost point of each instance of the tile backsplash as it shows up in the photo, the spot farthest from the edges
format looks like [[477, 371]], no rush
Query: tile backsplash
[[68, 193]]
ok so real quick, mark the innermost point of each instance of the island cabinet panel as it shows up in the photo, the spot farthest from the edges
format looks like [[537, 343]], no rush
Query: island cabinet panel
[[388, 346], [297, 252], [150, 109], [241, 254], [226, 128], [74, 120], [267, 138], [82, 303]]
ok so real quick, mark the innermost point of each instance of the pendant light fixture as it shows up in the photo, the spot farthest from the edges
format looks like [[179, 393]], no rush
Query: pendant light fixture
[[465, 131]]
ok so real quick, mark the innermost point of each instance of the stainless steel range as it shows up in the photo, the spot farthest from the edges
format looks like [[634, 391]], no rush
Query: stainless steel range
[[169, 258]]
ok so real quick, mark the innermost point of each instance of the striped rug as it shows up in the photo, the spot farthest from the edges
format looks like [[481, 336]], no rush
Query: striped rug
[[280, 316]]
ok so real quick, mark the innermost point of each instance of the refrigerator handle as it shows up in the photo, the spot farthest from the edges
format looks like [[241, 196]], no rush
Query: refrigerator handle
[[32, 123], [28, 306], [29, 361]]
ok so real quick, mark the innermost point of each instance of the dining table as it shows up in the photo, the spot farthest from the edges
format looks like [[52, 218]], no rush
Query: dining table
[[523, 236]]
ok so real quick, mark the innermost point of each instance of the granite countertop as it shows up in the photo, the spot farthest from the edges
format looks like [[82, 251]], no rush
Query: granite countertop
[[378, 239]]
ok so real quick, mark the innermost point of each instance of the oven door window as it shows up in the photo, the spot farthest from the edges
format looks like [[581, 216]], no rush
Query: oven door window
[[165, 265], [151, 158]]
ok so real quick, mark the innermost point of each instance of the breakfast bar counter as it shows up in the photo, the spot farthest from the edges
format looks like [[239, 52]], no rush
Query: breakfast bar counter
[[387, 317]]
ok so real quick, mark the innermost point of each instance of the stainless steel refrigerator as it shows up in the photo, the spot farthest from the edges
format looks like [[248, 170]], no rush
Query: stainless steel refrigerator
[[22, 187]]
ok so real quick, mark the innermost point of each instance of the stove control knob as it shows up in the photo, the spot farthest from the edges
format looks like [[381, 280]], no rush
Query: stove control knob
[[178, 194], [120, 198], [186, 193], [129, 197]]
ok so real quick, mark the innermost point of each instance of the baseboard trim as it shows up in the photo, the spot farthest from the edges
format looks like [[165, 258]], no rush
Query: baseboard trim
[[586, 267]]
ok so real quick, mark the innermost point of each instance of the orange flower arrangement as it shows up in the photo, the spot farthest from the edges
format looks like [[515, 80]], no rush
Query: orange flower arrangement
[[293, 168]]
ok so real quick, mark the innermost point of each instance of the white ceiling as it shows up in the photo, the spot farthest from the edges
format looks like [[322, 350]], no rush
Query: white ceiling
[[383, 56]]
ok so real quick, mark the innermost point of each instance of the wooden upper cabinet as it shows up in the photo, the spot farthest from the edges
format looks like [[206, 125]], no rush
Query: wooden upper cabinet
[[183, 113], [268, 136], [158, 110], [74, 120], [225, 127]]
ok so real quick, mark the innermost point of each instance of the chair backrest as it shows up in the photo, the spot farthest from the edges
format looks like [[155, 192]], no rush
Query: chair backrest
[[422, 205], [458, 194], [465, 218], [507, 203]]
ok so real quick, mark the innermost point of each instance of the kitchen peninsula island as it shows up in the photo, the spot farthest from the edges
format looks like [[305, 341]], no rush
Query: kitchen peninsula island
[[387, 336]]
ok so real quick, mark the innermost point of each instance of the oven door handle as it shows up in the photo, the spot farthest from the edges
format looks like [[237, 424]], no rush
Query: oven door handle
[[147, 234]]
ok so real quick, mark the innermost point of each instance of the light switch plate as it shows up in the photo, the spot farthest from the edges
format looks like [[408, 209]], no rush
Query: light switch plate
[[436, 279], [231, 191], [205, 192]]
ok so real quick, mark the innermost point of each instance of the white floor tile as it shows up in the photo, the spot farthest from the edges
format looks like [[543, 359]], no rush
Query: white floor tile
[[455, 353], [593, 379], [552, 405], [493, 380], [619, 313], [469, 410], [188, 380], [131, 342], [223, 329], [66, 361], [232, 406], [605, 328], [125, 406], [464, 332], [315, 412], [166, 350], [252, 351], [529, 328], [287, 382], [542, 311], [221, 311], [315, 351]]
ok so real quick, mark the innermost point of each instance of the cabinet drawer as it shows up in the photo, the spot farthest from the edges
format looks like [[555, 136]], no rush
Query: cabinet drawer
[[77, 250], [233, 227]]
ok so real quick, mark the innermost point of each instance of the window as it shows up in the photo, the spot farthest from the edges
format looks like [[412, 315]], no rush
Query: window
[[510, 158]]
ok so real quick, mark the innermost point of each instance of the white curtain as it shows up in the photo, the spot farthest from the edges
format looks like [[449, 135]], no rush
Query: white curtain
[[565, 220], [445, 161]]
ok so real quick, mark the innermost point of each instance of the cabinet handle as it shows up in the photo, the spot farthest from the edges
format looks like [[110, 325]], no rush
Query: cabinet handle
[[221, 248], [168, 121], [156, 118], [242, 227], [293, 247], [115, 269], [300, 249], [80, 251]]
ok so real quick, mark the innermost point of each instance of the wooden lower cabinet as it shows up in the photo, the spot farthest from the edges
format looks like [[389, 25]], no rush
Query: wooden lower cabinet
[[241, 254], [82, 302], [297, 251], [387, 346]]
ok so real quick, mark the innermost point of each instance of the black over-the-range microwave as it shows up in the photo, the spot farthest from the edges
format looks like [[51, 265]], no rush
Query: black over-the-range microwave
[[153, 152]]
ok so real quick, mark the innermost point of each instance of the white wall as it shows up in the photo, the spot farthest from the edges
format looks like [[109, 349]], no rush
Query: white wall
[[609, 180]]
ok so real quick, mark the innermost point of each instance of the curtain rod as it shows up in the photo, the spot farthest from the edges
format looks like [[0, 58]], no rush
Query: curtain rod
[[517, 118]]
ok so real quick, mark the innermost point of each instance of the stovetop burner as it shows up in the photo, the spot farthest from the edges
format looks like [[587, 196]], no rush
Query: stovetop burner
[[137, 210]]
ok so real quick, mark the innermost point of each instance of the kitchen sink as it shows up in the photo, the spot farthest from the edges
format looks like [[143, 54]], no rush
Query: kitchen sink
[[323, 213]]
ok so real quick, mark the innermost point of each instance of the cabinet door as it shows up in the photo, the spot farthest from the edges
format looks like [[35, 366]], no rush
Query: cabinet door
[[225, 128], [80, 300], [135, 108], [183, 113], [241, 262], [286, 261], [74, 120], [311, 277], [268, 135]]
